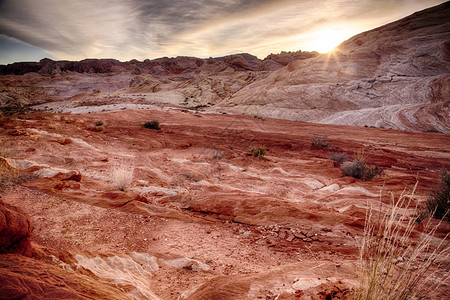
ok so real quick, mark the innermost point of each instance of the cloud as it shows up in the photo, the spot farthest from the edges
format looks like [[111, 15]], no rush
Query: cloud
[[126, 29]]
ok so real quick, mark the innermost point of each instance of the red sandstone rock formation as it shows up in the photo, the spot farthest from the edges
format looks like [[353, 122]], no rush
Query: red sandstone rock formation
[[395, 76], [15, 230]]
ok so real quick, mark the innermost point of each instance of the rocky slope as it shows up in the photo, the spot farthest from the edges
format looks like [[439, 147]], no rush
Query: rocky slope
[[197, 217], [396, 76]]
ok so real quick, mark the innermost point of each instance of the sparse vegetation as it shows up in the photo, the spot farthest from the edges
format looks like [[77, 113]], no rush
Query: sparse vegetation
[[10, 176], [392, 266], [259, 151], [53, 126], [152, 125], [319, 140], [434, 130], [339, 157], [4, 153], [359, 168], [198, 107], [59, 118], [438, 202], [121, 177]]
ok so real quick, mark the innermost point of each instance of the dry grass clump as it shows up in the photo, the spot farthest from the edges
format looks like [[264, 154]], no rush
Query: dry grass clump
[[359, 168], [339, 157], [64, 140], [319, 140], [121, 177], [438, 202], [394, 265], [53, 126]]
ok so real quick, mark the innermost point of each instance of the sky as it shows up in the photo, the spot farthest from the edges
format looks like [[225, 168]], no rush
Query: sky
[[138, 29]]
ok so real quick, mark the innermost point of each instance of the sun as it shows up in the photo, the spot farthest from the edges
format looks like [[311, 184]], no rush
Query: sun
[[327, 39]]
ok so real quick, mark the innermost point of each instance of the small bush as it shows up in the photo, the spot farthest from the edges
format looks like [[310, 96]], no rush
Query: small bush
[[438, 202], [198, 107], [152, 125], [99, 123], [259, 152], [53, 126], [319, 141], [360, 169]]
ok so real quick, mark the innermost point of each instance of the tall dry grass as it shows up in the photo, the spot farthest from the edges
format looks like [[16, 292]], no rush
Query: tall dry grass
[[397, 261], [121, 177]]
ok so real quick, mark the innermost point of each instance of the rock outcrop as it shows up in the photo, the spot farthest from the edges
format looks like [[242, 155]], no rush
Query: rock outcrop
[[25, 278], [15, 230], [394, 76]]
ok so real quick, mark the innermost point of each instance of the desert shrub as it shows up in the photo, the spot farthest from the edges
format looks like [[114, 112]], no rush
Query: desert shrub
[[259, 151], [53, 126], [59, 118], [438, 202], [121, 177], [64, 140], [360, 169], [152, 125], [433, 130], [198, 107], [99, 123], [319, 140], [393, 267], [340, 157]]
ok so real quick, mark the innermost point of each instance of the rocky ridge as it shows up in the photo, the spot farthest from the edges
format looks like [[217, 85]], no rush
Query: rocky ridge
[[396, 76]]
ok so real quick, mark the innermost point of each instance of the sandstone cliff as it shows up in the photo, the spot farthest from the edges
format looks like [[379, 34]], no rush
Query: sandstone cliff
[[394, 76]]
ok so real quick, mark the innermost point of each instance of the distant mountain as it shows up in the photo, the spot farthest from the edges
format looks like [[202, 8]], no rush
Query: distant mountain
[[395, 76], [164, 66]]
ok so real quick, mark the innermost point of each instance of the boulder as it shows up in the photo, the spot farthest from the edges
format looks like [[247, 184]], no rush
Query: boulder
[[15, 230]]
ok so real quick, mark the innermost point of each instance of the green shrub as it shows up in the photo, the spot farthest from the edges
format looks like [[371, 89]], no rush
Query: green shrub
[[259, 152], [439, 199], [152, 125]]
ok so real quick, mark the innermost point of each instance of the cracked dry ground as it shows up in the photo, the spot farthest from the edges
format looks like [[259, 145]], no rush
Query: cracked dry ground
[[201, 219]]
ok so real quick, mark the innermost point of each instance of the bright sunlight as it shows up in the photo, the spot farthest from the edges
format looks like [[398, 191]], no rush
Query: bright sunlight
[[327, 39]]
